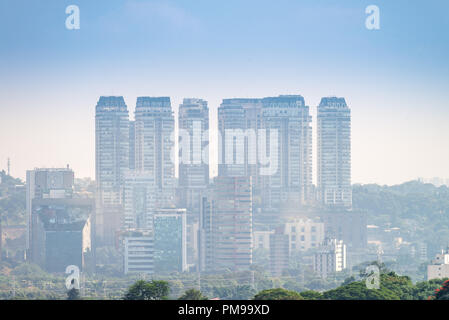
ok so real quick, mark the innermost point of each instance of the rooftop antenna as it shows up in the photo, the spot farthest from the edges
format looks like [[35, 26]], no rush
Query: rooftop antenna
[[9, 167]]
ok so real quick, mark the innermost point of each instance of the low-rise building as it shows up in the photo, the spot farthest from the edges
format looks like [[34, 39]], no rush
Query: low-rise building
[[279, 252], [330, 258], [304, 234], [439, 268], [138, 252]]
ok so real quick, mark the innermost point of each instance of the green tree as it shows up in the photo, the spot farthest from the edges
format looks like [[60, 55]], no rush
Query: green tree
[[144, 290], [278, 294], [443, 292], [311, 295], [425, 289], [392, 287], [192, 294], [73, 294]]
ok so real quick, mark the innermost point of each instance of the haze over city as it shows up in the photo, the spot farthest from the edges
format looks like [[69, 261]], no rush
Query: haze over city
[[394, 79]]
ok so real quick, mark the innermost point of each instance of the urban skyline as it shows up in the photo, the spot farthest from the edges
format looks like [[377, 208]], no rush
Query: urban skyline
[[224, 150], [394, 78]]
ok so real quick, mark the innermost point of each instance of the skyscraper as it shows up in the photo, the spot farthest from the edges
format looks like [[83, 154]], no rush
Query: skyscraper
[[334, 153], [154, 131], [238, 123], [140, 199], [288, 118], [193, 126], [112, 161], [46, 183], [170, 240], [132, 143], [226, 233]]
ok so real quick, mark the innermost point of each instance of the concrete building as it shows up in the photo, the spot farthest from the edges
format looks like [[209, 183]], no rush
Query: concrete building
[[349, 226], [439, 268], [279, 252], [238, 123], [111, 162], [154, 144], [261, 239], [138, 252], [227, 225], [304, 234], [132, 145], [193, 126], [291, 183], [46, 183], [140, 199], [170, 243], [334, 153], [62, 233], [330, 258]]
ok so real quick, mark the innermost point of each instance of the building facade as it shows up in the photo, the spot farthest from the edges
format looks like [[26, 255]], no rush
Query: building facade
[[439, 268], [287, 122], [304, 234], [62, 233], [138, 252], [334, 153], [227, 223], [279, 252], [330, 258], [46, 183], [111, 163], [170, 244], [154, 144], [193, 123], [140, 199]]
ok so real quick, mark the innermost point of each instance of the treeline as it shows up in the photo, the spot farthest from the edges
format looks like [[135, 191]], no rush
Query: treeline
[[420, 210], [392, 287]]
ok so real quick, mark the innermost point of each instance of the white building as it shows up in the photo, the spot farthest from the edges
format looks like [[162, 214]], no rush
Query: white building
[[154, 144], [440, 266], [111, 162], [289, 116], [334, 152], [304, 234], [330, 258], [193, 123], [139, 252], [139, 201]]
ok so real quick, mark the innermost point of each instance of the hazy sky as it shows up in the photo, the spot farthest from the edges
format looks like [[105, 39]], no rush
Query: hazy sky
[[396, 79]]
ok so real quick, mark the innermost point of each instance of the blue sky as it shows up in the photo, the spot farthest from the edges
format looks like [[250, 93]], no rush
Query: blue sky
[[395, 79]]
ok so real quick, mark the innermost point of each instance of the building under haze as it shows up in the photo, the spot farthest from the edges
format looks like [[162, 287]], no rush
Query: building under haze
[[132, 142], [330, 258], [140, 198], [334, 153], [46, 183], [238, 123], [170, 250], [287, 122], [111, 163], [62, 233], [138, 252], [154, 144], [193, 120], [226, 233]]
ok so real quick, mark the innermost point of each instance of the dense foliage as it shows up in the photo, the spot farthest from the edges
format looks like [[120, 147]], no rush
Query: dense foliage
[[420, 210], [193, 294], [148, 290], [278, 294]]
